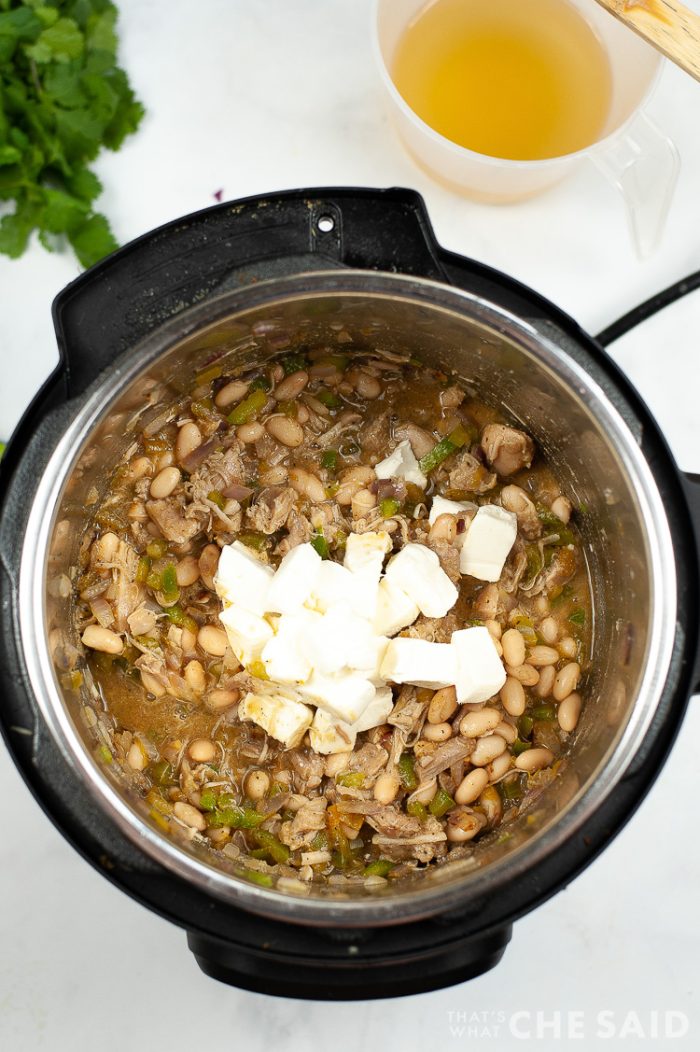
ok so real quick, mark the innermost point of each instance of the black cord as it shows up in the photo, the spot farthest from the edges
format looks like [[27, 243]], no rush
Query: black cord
[[648, 308]]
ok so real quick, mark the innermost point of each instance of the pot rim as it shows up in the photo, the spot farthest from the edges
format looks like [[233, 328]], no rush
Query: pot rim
[[417, 903]]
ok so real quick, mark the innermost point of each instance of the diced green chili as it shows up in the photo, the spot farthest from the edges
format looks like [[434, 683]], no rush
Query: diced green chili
[[416, 809], [328, 398], [264, 879], [512, 789], [455, 440], [351, 779], [319, 842], [342, 855], [320, 544], [168, 584], [153, 581], [554, 525], [162, 772], [379, 868], [277, 851], [236, 817], [105, 754], [216, 497], [519, 746], [207, 375], [157, 549], [329, 460], [203, 409], [441, 803], [340, 361], [143, 570], [525, 726], [207, 800], [407, 772], [577, 617], [260, 383], [293, 363], [545, 711], [287, 408], [252, 539], [176, 615], [248, 409], [388, 507]]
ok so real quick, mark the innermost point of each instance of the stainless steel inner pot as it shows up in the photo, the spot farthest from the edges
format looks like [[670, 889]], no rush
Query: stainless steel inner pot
[[539, 384]]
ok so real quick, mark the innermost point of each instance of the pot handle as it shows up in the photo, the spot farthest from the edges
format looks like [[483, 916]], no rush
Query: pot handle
[[116, 303], [691, 485]]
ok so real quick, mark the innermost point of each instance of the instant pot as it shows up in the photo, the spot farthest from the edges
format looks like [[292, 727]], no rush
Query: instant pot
[[249, 279]]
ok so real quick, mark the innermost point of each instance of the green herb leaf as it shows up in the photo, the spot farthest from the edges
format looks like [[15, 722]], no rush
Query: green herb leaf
[[62, 99]]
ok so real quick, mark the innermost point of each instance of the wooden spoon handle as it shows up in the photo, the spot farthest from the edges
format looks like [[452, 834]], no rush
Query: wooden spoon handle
[[666, 24]]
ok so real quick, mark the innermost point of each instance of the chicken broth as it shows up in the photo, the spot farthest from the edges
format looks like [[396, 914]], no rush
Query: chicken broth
[[324, 454]]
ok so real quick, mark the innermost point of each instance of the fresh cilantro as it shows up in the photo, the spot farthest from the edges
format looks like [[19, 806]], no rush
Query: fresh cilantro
[[62, 99]]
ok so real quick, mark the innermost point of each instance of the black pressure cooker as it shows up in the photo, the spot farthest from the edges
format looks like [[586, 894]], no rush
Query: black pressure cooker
[[248, 276]]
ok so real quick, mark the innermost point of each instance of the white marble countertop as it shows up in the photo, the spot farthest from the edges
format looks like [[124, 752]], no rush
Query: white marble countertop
[[253, 98]]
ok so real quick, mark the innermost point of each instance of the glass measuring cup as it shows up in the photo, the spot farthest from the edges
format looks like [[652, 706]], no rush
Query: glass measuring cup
[[631, 153]]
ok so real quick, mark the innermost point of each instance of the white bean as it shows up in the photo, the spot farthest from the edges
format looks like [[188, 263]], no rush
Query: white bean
[[195, 677], [471, 786], [513, 647], [165, 482], [443, 705], [257, 784], [286, 430], [562, 508], [367, 386], [219, 700], [137, 758], [307, 485], [202, 750], [534, 760], [549, 630], [541, 655], [187, 571], [98, 638], [249, 433], [386, 787], [362, 503], [544, 687], [525, 674], [437, 732], [189, 438], [513, 697], [190, 816], [569, 711], [474, 724], [213, 640], [292, 386], [487, 749], [568, 647], [232, 392], [566, 681]]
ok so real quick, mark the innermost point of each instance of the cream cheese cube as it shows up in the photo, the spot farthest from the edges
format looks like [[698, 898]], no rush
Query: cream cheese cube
[[443, 506], [334, 584], [420, 662], [345, 696], [328, 734], [480, 671], [247, 633], [284, 655], [294, 580], [340, 639], [364, 558], [282, 718], [489, 540], [395, 609], [416, 570], [241, 578], [402, 464], [376, 712]]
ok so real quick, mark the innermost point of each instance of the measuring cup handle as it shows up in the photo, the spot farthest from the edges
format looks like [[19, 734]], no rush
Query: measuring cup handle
[[643, 164]]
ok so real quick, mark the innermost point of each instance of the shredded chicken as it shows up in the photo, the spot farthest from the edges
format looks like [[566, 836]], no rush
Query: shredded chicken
[[507, 450], [270, 510]]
